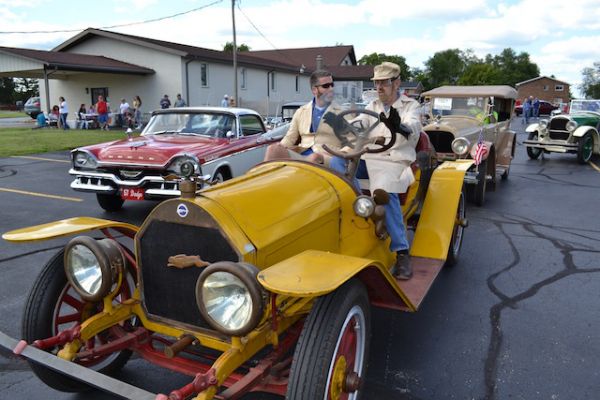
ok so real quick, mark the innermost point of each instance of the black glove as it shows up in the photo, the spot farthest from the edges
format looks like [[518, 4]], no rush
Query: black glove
[[394, 123], [340, 126]]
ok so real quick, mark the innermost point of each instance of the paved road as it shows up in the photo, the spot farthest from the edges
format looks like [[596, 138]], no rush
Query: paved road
[[517, 318], [20, 122]]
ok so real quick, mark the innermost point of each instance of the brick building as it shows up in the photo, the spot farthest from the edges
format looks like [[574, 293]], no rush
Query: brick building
[[545, 88]]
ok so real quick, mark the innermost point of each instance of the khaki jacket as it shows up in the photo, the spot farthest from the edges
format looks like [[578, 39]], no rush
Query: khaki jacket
[[299, 137], [390, 170]]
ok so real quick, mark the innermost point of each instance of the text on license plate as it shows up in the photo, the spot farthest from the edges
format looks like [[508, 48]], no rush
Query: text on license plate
[[132, 194]]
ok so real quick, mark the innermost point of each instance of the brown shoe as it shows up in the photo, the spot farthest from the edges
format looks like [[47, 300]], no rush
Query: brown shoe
[[402, 269]]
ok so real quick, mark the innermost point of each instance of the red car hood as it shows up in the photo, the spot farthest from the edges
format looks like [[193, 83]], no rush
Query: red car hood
[[157, 150]]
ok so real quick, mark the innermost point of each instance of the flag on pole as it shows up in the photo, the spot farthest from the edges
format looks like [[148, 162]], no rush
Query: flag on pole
[[480, 150]]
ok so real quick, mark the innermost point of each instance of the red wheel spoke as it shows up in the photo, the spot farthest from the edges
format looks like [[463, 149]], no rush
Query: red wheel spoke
[[73, 302], [64, 319]]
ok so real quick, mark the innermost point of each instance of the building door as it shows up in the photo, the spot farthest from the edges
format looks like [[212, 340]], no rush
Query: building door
[[99, 92]]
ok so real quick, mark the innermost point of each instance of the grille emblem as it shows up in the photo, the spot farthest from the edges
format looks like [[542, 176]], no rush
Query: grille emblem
[[182, 210], [182, 261], [130, 174]]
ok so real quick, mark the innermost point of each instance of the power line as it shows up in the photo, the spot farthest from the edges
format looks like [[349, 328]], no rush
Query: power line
[[120, 25]]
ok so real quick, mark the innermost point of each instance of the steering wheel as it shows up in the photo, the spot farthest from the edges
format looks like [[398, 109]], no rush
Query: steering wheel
[[355, 135]]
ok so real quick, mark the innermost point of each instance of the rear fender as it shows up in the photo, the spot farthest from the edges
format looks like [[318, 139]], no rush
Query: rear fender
[[438, 216], [67, 227], [314, 273]]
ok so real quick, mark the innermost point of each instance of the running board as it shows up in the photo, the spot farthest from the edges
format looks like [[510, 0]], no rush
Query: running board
[[425, 270], [75, 371]]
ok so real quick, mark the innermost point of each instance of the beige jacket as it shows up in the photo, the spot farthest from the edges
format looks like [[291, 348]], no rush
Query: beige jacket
[[299, 137], [390, 170]]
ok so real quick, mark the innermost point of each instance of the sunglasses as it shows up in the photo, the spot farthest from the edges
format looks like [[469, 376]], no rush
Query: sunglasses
[[326, 85]]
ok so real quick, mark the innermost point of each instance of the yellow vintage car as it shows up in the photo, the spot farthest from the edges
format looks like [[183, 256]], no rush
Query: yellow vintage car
[[261, 283]]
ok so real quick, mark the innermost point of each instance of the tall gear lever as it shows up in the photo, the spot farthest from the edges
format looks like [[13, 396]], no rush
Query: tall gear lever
[[354, 136]]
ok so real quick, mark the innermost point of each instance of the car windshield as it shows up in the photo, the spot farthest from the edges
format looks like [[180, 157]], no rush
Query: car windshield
[[288, 112], [585, 105], [469, 106], [204, 124]]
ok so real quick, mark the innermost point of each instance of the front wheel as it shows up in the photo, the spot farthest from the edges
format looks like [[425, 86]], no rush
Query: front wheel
[[53, 306], [585, 148], [110, 202], [457, 233], [330, 360], [533, 152]]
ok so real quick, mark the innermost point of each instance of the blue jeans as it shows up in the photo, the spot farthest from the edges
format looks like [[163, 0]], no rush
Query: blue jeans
[[63, 121], [394, 221]]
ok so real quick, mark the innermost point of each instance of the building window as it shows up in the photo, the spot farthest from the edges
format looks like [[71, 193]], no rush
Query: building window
[[243, 78], [273, 87], [204, 75], [297, 83], [546, 88], [345, 92], [558, 88]]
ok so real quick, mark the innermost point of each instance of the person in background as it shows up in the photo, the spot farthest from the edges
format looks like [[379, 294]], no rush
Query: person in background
[[527, 108], [91, 110], [82, 122], [102, 111], [306, 135], [536, 108], [64, 111], [232, 102], [225, 101], [53, 117], [180, 102], [165, 102], [137, 111], [390, 170], [123, 110]]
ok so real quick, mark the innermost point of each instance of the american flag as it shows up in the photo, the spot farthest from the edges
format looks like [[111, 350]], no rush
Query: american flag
[[481, 150]]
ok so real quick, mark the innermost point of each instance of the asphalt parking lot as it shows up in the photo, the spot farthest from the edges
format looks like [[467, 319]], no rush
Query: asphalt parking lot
[[517, 318]]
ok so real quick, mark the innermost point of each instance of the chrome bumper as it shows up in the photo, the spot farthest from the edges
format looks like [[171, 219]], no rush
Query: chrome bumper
[[552, 146]]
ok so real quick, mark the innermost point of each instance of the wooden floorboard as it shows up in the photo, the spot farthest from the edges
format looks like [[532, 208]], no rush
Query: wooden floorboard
[[425, 270]]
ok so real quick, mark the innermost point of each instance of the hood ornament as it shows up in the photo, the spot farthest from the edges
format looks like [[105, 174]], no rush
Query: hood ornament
[[182, 261]]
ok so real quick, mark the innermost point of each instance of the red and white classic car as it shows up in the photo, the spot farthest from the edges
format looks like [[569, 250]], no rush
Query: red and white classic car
[[221, 143]]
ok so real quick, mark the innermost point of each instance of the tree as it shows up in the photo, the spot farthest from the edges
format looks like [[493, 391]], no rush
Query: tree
[[25, 88], [229, 47], [445, 67], [480, 74], [378, 58], [590, 82], [7, 91], [513, 68]]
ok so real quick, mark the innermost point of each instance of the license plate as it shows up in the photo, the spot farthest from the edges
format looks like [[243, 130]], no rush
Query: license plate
[[132, 193]]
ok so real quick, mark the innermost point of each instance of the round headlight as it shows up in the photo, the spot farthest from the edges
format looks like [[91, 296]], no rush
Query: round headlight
[[571, 126], [543, 124], [364, 206], [230, 298], [460, 146], [184, 166], [82, 159], [93, 266]]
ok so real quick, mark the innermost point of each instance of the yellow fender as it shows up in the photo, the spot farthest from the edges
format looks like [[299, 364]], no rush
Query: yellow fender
[[314, 273], [66, 227], [438, 216]]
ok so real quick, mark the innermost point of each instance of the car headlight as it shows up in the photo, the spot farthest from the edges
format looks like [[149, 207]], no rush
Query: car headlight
[[364, 206], [230, 298], [543, 124], [460, 146], [571, 126], [181, 166], [83, 159], [93, 266]]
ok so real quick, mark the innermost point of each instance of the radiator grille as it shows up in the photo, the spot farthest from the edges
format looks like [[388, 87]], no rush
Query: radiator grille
[[170, 292], [441, 141]]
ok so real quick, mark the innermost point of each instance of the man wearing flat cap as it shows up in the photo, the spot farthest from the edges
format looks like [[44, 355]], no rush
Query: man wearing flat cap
[[390, 170]]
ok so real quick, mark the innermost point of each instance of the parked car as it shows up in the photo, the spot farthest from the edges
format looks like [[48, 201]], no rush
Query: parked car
[[32, 107], [220, 143], [458, 115], [546, 108], [289, 109], [576, 132], [262, 283]]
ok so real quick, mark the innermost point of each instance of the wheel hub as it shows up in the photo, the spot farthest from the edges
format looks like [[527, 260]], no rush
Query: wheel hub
[[338, 378]]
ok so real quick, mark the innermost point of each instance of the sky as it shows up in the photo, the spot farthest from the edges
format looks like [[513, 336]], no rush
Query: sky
[[562, 37]]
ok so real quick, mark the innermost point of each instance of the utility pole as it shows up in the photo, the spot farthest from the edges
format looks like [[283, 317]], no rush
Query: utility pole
[[235, 74]]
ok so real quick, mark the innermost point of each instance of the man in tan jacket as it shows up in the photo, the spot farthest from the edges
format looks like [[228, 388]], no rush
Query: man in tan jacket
[[306, 136]]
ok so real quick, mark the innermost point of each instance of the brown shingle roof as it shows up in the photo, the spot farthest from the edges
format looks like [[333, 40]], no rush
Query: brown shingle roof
[[332, 56], [352, 72], [77, 62]]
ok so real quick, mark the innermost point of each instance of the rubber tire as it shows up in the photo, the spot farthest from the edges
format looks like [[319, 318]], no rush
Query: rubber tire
[[533, 153], [38, 323], [110, 202], [476, 193], [457, 233], [316, 346], [220, 177], [581, 144]]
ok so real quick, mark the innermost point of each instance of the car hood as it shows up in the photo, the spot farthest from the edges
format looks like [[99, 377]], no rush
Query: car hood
[[457, 125], [156, 150]]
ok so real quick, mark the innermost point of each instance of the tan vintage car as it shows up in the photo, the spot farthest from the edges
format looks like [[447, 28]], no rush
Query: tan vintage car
[[454, 120]]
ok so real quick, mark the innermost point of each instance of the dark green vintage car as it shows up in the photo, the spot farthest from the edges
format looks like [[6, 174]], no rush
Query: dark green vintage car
[[576, 132]]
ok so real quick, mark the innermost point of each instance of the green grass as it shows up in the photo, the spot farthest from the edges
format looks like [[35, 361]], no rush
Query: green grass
[[22, 141], [12, 114]]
